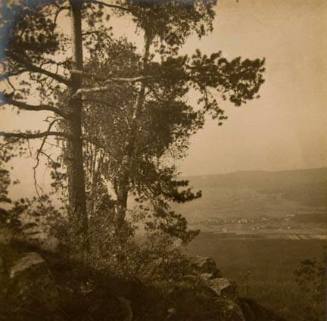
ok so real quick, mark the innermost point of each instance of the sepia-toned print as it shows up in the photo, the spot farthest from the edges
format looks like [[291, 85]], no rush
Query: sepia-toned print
[[163, 160]]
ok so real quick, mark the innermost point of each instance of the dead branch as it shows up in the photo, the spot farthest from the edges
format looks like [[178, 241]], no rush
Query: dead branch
[[39, 151], [60, 9], [43, 142], [109, 78], [82, 91]]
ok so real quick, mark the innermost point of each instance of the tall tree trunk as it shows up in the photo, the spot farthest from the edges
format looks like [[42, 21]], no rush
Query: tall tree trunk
[[75, 170]]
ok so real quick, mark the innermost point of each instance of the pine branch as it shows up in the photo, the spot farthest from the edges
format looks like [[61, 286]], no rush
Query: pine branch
[[108, 5], [33, 68], [35, 135], [23, 106]]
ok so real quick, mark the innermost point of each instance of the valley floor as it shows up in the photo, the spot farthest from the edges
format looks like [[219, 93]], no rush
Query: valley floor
[[263, 265]]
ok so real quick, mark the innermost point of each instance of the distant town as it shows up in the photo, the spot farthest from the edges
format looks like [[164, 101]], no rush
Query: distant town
[[292, 226]]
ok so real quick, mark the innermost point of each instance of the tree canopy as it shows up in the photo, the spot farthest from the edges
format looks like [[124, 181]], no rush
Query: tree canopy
[[121, 114]]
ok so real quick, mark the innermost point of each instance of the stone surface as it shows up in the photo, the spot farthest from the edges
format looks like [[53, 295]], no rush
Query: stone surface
[[35, 287], [205, 265], [28, 261], [32, 285], [50, 244], [231, 311], [223, 287]]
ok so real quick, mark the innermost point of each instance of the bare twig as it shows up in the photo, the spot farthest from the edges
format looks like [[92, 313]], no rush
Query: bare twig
[[60, 9], [43, 142], [11, 85], [36, 185]]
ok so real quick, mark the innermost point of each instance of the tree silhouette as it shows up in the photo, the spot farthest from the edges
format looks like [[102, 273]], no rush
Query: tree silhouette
[[38, 64]]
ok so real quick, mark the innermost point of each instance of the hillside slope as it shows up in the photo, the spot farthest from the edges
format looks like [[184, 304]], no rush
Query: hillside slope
[[258, 193]]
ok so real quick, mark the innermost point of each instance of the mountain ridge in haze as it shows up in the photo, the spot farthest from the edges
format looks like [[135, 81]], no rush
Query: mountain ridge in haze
[[258, 193]]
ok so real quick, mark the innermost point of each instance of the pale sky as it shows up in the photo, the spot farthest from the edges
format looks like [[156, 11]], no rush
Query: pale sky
[[286, 127]]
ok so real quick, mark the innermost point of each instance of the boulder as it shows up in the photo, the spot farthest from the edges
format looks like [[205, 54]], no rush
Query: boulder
[[27, 262], [206, 266], [32, 285], [190, 301], [50, 244], [230, 310], [223, 287]]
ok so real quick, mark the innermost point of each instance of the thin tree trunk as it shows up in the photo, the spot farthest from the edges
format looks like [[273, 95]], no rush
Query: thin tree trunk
[[123, 182], [75, 170], [122, 207], [122, 196]]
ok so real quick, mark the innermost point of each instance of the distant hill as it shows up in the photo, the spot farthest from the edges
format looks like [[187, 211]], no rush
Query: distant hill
[[254, 193]]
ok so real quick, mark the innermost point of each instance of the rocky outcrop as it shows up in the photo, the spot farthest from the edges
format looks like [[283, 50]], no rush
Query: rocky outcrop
[[205, 296], [206, 266], [192, 302], [35, 285], [28, 290], [34, 288], [223, 287], [209, 296], [28, 262]]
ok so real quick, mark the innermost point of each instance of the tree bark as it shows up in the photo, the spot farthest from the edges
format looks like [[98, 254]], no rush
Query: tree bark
[[75, 168]]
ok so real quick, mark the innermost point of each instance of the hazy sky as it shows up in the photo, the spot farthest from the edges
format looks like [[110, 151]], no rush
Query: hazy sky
[[286, 127]]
